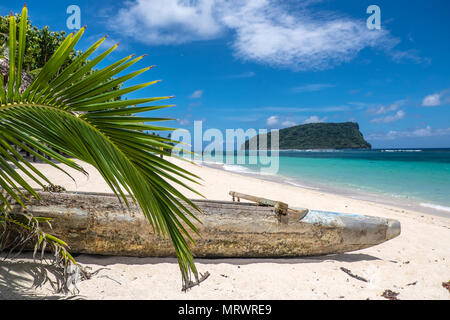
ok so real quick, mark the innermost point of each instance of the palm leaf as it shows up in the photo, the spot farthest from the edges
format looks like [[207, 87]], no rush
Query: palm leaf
[[72, 111]]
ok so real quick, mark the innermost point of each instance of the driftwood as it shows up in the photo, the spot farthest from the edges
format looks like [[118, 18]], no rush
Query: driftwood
[[351, 274]]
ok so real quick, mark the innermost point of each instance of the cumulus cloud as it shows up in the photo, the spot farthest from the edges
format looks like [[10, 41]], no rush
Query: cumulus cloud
[[437, 99], [314, 119], [432, 100], [273, 121], [196, 94], [168, 21], [400, 114], [415, 133], [264, 31], [276, 122]]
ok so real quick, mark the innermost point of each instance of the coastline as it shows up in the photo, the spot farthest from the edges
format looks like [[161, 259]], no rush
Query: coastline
[[414, 264], [212, 189], [403, 202]]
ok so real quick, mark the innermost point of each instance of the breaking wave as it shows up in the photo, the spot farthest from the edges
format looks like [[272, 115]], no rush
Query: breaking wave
[[435, 206]]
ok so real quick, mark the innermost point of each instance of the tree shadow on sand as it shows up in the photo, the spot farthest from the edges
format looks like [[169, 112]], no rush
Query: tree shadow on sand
[[21, 280], [26, 279]]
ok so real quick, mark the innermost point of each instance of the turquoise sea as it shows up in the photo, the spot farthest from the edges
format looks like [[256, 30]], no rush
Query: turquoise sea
[[412, 177]]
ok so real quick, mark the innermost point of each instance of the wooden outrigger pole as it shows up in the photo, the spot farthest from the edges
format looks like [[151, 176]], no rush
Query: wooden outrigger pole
[[281, 209]]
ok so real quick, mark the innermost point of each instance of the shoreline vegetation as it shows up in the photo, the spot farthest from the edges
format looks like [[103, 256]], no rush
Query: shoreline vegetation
[[414, 265]]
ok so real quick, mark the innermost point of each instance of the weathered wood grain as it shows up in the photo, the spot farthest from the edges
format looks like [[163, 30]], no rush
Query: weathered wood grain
[[100, 224]]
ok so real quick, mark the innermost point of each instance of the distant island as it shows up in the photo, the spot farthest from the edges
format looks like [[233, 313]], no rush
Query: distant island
[[345, 135]]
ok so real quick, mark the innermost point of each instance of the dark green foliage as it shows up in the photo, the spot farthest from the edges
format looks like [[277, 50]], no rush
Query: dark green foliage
[[344, 135], [40, 45]]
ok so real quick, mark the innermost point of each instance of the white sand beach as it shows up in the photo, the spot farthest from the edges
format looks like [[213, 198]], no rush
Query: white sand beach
[[414, 264]]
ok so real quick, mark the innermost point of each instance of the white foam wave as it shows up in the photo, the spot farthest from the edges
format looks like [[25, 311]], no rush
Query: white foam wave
[[236, 168], [217, 163], [398, 150], [435, 206], [309, 150], [301, 186]]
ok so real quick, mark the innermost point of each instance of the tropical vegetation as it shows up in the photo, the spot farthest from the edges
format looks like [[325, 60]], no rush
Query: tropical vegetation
[[345, 135], [39, 47], [70, 112]]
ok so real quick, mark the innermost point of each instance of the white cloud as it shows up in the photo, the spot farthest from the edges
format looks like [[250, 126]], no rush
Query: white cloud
[[382, 109], [416, 133], [264, 31], [314, 119], [196, 94], [185, 120], [400, 114], [432, 100], [437, 99], [277, 122], [168, 21], [313, 87], [411, 55], [273, 121], [288, 123]]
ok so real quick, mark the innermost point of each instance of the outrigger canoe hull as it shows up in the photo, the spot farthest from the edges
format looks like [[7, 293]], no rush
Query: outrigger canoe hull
[[100, 224]]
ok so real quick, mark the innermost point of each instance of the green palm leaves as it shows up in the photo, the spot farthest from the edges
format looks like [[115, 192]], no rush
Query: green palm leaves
[[73, 110]]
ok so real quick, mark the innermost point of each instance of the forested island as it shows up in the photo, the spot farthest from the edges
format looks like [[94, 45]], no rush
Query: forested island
[[345, 135]]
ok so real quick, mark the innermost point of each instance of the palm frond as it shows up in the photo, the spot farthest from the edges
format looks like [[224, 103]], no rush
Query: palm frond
[[73, 111]]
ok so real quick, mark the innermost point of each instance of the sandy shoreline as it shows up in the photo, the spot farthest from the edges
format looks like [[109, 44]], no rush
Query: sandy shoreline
[[398, 202], [415, 264]]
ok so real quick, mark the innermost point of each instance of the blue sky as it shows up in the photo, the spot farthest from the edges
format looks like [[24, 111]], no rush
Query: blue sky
[[272, 64]]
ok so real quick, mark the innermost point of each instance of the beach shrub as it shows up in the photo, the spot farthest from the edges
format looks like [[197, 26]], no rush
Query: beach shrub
[[70, 108], [41, 44]]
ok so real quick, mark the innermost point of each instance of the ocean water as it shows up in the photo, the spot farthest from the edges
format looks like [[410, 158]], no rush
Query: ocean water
[[415, 177]]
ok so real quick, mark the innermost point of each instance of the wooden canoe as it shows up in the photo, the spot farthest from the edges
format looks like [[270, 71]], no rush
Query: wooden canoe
[[99, 224]]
